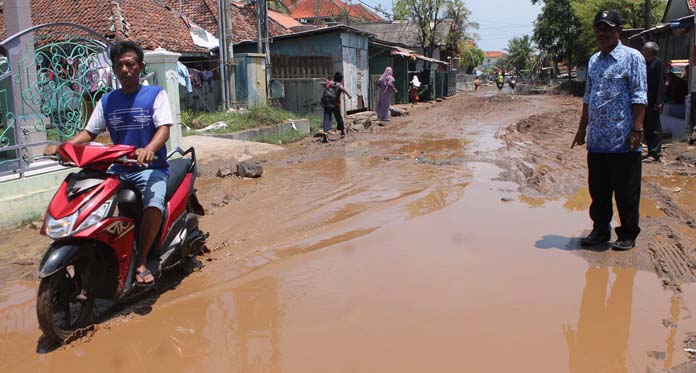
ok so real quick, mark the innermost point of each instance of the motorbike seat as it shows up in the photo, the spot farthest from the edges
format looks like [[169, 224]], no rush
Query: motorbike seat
[[177, 171]]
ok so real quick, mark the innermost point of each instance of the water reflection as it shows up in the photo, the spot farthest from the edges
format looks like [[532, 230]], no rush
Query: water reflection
[[674, 310], [600, 342], [258, 324]]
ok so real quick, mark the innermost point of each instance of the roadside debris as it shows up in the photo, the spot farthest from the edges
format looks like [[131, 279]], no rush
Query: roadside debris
[[213, 127], [250, 169], [224, 172]]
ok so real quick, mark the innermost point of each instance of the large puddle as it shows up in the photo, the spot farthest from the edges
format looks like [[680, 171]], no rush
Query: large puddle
[[436, 267], [479, 285]]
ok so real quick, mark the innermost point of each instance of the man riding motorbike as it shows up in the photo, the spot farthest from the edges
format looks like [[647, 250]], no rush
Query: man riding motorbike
[[140, 116], [500, 81]]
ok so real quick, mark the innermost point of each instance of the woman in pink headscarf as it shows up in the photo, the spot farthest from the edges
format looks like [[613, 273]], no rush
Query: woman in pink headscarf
[[385, 86]]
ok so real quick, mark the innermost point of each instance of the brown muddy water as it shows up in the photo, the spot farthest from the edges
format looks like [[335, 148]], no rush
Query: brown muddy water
[[462, 275]]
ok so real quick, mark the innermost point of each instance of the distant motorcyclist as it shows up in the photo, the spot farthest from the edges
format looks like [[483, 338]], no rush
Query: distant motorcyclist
[[512, 82], [500, 80]]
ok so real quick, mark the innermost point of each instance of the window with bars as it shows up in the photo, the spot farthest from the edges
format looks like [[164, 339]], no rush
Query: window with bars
[[300, 67]]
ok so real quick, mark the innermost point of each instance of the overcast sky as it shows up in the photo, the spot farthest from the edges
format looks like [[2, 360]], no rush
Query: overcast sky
[[500, 20]]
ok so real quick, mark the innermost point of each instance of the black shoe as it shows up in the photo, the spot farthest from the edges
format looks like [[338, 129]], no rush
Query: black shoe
[[343, 134], [623, 244], [597, 237], [323, 136]]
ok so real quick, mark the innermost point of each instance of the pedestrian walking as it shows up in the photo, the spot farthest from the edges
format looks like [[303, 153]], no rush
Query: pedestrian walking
[[415, 88], [612, 120], [331, 101], [477, 83], [656, 85], [385, 84]]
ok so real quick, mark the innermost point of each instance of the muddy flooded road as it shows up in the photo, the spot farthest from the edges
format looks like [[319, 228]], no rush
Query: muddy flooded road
[[408, 248]]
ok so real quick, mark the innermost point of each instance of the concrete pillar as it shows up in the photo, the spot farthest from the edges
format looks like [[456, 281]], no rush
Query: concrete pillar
[[17, 14], [163, 63]]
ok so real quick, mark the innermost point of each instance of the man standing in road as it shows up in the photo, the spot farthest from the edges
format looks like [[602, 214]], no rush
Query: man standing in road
[[140, 116], [656, 85], [612, 120]]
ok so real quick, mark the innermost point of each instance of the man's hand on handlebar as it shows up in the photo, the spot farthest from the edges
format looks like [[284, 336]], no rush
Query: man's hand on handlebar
[[51, 150], [144, 156]]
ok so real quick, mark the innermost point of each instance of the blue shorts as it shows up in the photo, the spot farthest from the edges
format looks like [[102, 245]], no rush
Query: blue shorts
[[152, 184]]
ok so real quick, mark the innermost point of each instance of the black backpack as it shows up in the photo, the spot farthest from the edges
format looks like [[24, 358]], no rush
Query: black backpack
[[330, 95]]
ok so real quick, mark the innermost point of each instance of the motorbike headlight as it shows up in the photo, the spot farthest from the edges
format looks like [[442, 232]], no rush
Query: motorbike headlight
[[59, 228], [97, 215]]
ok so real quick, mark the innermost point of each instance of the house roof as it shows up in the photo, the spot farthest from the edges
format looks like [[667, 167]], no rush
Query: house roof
[[244, 23], [402, 32], [494, 54], [308, 9], [318, 9], [284, 20], [361, 12], [151, 23], [315, 31]]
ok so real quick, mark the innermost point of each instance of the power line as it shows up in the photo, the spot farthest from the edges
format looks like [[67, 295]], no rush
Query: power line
[[504, 27]]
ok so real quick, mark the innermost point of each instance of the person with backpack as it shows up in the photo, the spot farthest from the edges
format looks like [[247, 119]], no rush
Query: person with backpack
[[331, 102]]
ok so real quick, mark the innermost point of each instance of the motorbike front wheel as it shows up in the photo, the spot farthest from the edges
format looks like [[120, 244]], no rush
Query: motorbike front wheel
[[63, 304]]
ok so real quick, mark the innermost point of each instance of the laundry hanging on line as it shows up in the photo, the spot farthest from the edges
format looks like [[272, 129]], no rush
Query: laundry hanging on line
[[184, 76]]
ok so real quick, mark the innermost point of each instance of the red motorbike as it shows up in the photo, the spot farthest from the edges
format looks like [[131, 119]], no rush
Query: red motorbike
[[94, 220]]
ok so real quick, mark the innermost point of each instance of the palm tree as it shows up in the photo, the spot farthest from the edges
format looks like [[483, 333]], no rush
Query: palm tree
[[520, 51]]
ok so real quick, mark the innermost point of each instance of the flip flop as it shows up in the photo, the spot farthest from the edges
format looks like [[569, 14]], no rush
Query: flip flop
[[142, 277]]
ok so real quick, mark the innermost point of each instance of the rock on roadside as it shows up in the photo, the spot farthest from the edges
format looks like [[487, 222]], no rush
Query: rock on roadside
[[224, 172], [249, 168]]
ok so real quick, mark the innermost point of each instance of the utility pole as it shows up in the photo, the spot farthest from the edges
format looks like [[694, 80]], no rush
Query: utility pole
[[226, 43], [263, 36], [648, 14], [261, 26]]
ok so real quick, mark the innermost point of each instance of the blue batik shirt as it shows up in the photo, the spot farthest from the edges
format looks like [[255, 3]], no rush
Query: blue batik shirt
[[614, 83]]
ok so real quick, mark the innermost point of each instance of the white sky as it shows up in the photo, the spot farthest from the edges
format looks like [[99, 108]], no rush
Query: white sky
[[500, 20]]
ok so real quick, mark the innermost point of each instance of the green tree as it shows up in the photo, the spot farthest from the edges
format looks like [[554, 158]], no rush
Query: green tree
[[470, 56], [461, 26], [557, 29], [427, 15], [520, 51], [632, 12]]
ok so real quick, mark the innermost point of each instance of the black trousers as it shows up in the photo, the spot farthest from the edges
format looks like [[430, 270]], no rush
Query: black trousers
[[653, 133], [336, 112], [617, 175]]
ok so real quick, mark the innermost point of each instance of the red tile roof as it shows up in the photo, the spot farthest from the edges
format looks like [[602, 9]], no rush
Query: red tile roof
[[152, 23], [318, 9], [283, 19], [244, 23], [494, 54], [328, 9], [361, 12]]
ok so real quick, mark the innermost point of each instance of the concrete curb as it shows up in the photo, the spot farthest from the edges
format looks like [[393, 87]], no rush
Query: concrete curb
[[301, 125], [26, 199]]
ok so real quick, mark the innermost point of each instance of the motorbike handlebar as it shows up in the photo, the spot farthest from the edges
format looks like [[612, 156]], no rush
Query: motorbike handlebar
[[57, 159], [132, 162]]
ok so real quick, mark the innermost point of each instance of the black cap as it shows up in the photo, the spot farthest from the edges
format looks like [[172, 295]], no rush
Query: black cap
[[609, 17]]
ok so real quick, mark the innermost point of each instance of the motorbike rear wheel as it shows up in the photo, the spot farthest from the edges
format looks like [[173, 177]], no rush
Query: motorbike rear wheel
[[63, 306]]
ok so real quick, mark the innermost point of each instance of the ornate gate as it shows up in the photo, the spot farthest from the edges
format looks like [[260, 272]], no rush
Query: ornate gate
[[51, 76]]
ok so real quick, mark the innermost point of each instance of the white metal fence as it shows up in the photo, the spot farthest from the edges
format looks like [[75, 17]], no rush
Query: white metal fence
[[465, 82]]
